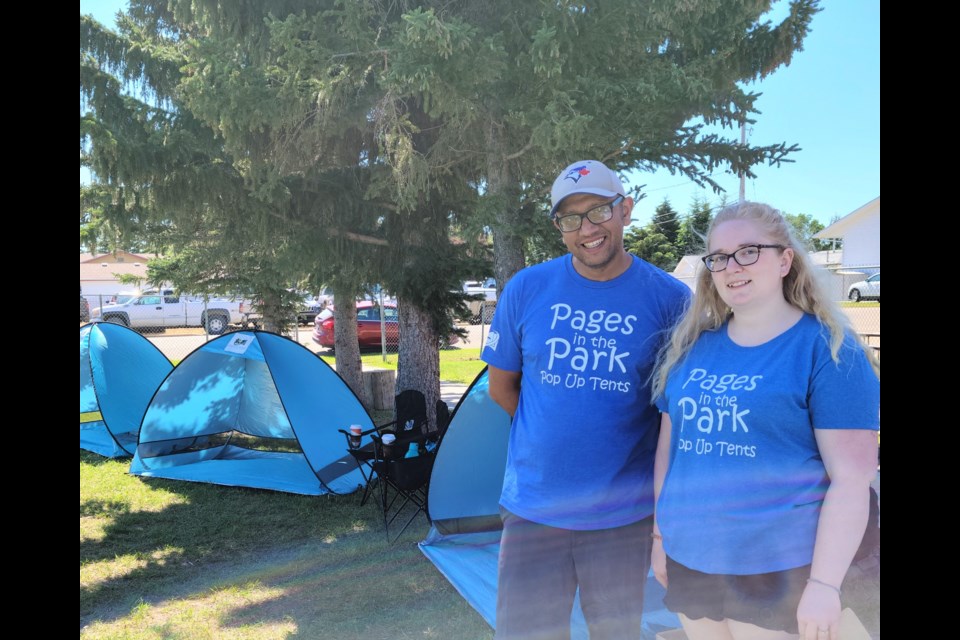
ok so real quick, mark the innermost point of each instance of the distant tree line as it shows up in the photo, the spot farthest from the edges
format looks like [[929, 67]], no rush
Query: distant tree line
[[668, 237]]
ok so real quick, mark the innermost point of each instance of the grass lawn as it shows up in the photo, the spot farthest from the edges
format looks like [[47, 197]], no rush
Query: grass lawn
[[165, 559], [162, 559], [456, 365]]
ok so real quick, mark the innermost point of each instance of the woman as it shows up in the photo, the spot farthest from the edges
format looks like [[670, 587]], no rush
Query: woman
[[768, 441]]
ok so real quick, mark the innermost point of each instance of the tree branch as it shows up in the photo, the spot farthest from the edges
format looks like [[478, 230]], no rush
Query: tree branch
[[382, 52], [357, 237], [517, 154]]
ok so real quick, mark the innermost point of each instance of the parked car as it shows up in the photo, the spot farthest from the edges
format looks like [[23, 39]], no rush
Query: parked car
[[325, 297], [368, 326], [156, 309], [308, 310], [868, 289], [485, 300]]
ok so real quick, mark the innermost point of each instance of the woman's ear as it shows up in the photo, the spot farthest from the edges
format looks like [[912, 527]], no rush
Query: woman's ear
[[786, 262]]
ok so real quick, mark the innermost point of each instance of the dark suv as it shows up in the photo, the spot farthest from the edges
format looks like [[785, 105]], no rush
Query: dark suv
[[307, 310]]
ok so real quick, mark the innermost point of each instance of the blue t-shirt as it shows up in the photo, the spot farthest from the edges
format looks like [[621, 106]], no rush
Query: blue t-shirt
[[583, 438], [745, 484]]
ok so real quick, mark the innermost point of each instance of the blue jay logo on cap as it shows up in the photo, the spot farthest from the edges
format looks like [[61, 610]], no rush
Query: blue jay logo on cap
[[577, 172]]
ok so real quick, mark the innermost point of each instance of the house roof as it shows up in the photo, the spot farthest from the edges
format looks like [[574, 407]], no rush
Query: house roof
[[844, 224], [118, 257], [105, 272]]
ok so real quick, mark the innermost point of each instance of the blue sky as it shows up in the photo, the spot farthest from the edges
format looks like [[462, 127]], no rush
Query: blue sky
[[827, 101]]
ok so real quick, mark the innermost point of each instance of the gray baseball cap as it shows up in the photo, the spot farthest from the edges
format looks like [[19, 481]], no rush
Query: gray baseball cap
[[585, 176]]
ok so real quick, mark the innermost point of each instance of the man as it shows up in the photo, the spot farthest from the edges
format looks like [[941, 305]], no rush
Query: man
[[570, 351]]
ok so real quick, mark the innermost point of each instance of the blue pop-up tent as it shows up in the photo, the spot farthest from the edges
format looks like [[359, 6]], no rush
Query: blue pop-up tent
[[463, 506], [252, 409], [119, 372]]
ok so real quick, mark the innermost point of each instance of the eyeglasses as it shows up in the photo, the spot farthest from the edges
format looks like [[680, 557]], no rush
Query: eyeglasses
[[744, 256], [597, 215]]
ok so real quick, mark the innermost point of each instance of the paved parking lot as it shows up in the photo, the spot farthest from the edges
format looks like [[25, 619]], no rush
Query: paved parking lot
[[176, 344]]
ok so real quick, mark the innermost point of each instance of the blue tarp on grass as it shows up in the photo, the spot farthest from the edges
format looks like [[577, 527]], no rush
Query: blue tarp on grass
[[463, 503]]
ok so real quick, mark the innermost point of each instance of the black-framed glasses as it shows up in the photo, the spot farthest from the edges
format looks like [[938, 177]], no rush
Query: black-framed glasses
[[744, 256], [597, 215]]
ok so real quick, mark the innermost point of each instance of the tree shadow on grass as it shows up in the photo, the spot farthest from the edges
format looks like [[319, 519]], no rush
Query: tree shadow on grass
[[205, 524], [353, 587], [376, 591], [326, 556], [323, 564]]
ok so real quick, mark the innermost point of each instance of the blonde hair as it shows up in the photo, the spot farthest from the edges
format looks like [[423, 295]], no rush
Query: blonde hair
[[801, 288]]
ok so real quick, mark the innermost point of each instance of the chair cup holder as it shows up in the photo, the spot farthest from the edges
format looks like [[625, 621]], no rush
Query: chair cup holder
[[392, 452]]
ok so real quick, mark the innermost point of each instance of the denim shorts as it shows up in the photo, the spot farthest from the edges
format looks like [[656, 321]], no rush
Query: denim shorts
[[767, 600]]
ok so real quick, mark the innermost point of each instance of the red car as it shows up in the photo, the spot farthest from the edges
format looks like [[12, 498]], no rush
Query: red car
[[368, 326]]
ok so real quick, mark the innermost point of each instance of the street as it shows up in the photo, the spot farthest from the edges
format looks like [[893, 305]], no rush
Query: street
[[176, 344]]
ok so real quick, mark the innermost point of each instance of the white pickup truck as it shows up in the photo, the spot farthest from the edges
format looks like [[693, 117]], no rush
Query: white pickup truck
[[481, 308], [161, 310]]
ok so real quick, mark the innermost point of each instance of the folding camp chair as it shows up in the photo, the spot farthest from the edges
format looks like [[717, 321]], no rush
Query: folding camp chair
[[443, 417], [410, 425], [403, 482], [434, 436], [364, 456]]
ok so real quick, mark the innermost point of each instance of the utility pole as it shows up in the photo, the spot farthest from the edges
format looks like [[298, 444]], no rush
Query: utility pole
[[743, 177]]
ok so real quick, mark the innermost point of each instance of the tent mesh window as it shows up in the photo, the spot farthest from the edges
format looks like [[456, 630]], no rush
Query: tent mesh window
[[233, 437]]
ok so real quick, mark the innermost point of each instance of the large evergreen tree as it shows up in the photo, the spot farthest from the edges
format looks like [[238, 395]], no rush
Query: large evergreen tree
[[273, 135], [630, 83], [326, 165]]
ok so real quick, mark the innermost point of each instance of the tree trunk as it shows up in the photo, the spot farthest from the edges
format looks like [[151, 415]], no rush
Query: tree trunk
[[381, 387], [423, 227], [502, 184], [418, 363], [346, 344], [271, 313]]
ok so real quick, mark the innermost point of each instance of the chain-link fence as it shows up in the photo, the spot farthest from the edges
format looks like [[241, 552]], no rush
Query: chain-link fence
[[858, 290], [179, 324]]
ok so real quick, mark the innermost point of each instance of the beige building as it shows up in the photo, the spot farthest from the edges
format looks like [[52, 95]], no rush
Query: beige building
[[100, 274]]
